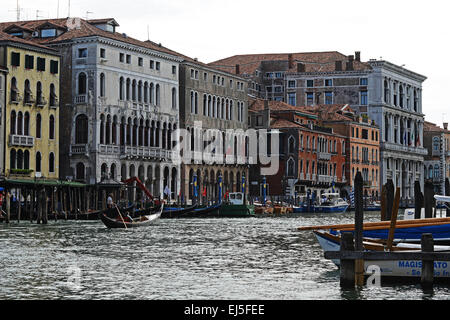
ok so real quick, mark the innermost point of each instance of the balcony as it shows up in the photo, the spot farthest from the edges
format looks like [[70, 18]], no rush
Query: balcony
[[21, 141], [402, 148], [324, 156], [324, 179], [109, 149], [81, 99], [146, 152], [79, 149]]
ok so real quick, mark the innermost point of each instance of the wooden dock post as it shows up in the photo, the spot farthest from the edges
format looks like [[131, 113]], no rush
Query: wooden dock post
[[359, 221], [427, 244], [418, 200], [8, 206], [390, 199], [383, 203], [347, 267], [429, 199]]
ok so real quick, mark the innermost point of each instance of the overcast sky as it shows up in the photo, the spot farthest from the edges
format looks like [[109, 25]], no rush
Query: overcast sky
[[411, 33]]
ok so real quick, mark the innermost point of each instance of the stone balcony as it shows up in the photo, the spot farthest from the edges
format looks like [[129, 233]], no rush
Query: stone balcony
[[324, 156], [21, 141], [402, 148], [79, 149]]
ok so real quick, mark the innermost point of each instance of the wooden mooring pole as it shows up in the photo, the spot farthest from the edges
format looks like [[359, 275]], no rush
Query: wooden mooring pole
[[347, 267], [427, 244], [359, 224]]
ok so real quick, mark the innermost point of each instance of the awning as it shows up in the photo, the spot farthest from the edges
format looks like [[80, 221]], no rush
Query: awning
[[41, 182]]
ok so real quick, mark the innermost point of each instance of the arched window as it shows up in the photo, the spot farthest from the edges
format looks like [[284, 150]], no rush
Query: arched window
[[51, 162], [152, 93], [14, 90], [291, 145], [80, 171], [436, 171], [13, 122], [121, 87], [51, 127], [53, 97], [113, 171], [39, 97], [38, 161], [12, 159], [81, 129], [102, 129], [157, 95], [26, 160], [133, 90], [38, 126], [102, 85], [20, 123], [174, 98], [82, 83], [104, 171], [128, 89], [291, 167], [27, 90]]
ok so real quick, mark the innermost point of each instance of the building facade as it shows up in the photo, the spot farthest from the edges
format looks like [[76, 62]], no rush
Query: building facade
[[32, 108], [212, 99], [395, 104], [437, 163], [120, 103]]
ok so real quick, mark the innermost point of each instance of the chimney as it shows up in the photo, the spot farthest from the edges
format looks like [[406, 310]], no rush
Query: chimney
[[291, 61], [358, 56], [238, 71], [338, 65], [301, 67], [445, 125]]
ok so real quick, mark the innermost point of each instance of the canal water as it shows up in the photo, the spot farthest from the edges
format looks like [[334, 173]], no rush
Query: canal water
[[256, 258]]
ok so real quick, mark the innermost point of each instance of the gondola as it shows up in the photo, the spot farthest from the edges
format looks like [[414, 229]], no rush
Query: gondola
[[177, 212], [211, 211], [122, 221]]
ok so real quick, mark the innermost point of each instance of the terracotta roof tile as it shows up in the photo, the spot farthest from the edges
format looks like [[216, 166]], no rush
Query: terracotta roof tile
[[314, 62]]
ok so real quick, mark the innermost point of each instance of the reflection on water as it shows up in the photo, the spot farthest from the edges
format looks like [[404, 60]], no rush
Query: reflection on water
[[260, 258]]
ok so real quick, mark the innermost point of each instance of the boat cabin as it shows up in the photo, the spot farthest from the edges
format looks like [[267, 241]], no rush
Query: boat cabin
[[236, 198]]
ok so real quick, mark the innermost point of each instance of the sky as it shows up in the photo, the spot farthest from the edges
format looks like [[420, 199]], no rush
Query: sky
[[411, 33]]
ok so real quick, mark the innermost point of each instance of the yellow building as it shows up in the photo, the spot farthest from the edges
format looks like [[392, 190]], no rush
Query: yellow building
[[31, 114]]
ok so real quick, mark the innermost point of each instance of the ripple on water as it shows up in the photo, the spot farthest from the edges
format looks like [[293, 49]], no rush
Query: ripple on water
[[264, 258]]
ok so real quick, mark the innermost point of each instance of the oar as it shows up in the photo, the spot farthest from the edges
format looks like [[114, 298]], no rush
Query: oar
[[121, 216]]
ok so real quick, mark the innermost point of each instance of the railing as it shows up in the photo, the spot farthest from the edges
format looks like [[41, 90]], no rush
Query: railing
[[109, 149], [81, 99], [324, 179], [21, 141], [402, 148], [324, 156], [148, 152], [78, 149]]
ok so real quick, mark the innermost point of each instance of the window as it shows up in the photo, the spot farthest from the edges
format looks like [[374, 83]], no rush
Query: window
[[38, 161], [363, 81], [140, 62], [278, 89], [363, 95], [291, 99], [328, 82], [54, 67], [174, 69], [102, 53], [53, 97], [39, 97], [82, 53], [15, 59], [38, 126], [365, 134], [51, 128], [121, 57], [205, 76], [128, 59], [174, 98], [291, 167], [231, 83], [82, 83], [40, 64], [291, 84], [309, 99], [51, 162], [278, 75], [48, 33], [310, 83], [158, 66], [102, 85], [152, 64], [28, 94], [328, 97], [29, 62], [81, 129], [259, 121]]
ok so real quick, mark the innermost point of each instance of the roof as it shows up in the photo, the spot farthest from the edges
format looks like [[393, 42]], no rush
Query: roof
[[43, 182], [432, 127], [256, 105], [6, 38], [281, 123], [80, 28], [314, 61]]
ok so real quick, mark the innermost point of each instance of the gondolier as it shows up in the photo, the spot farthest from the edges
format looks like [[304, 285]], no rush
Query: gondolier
[[109, 201]]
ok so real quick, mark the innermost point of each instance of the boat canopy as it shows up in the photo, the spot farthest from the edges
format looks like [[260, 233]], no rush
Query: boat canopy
[[442, 198]]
